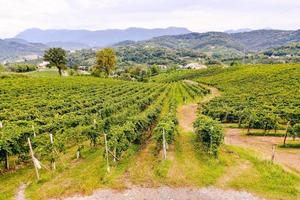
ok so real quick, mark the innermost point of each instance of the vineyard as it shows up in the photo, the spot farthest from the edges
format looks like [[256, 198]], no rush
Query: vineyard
[[257, 97], [75, 111], [85, 133]]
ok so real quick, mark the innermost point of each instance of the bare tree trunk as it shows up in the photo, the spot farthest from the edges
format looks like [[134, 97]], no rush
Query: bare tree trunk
[[249, 126], [60, 71], [265, 129], [286, 133], [240, 121]]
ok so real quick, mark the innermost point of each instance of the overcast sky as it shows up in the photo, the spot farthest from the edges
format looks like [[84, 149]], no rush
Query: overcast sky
[[197, 15]]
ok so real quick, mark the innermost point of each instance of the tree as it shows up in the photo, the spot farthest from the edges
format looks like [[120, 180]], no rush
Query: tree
[[56, 58], [106, 60]]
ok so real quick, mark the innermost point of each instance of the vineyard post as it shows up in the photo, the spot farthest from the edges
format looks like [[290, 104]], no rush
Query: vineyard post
[[115, 153], [273, 152], [164, 145], [7, 160], [1, 125], [77, 154], [106, 153], [32, 157], [34, 134], [53, 165]]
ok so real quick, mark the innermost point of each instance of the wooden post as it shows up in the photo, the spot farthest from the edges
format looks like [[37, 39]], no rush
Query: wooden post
[[115, 154], [7, 160], [53, 165], [32, 157], [34, 134], [273, 153], [164, 145], [1, 124], [106, 153], [77, 154]]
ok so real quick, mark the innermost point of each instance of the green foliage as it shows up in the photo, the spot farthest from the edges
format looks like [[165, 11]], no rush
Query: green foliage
[[106, 61], [154, 70], [22, 67], [75, 110], [255, 96], [139, 72], [294, 130], [210, 133], [56, 58], [2, 69]]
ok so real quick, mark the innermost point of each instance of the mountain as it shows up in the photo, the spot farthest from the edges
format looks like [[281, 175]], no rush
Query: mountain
[[68, 45], [264, 39], [214, 44], [98, 38], [11, 49], [238, 30], [257, 40]]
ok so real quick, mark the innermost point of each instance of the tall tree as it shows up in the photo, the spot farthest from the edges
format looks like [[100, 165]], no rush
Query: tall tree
[[106, 60], [56, 58]]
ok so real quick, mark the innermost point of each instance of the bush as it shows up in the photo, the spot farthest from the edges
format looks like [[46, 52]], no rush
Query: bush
[[210, 134], [98, 73], [2, 69], [22, 67]]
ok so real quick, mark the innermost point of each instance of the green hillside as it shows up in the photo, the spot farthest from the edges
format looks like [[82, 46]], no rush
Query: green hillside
[[268, 91]]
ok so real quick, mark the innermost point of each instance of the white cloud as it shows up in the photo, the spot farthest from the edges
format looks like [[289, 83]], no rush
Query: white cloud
[[198, 15]]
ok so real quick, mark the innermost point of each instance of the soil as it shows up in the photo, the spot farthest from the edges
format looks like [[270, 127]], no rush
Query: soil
[[20, 194], [288, 158], [138, 193]]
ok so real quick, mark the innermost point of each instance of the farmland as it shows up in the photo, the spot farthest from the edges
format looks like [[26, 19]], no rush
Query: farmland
[[137, 120]]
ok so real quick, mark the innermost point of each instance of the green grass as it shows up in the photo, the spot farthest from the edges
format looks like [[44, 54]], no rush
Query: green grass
[[47, 73], [270, 134], [290, 145], [186, 165], [10, 181], [82, 176], [266, 179]]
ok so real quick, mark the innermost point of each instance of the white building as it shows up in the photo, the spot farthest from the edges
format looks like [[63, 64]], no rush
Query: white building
[[195, 66]]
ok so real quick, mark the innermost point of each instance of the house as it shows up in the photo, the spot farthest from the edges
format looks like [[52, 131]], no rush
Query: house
[[195, 66], [43, 65]]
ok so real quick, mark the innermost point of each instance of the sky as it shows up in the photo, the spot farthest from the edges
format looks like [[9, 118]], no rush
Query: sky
[[196, 15]]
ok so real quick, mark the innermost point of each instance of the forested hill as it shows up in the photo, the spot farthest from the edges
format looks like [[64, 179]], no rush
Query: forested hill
[[12, 48], [211, 41], [265, 39]]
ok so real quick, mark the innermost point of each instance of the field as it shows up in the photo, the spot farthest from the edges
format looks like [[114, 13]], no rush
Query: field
[[257, 101]]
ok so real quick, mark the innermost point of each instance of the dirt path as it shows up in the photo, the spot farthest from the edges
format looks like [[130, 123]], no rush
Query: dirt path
[[20, 194], [288, 158], [187, 113], [168, 193]]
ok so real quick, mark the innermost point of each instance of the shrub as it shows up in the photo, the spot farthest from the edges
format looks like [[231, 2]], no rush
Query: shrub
[[22, 67], [210, 134], [2, 69]]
